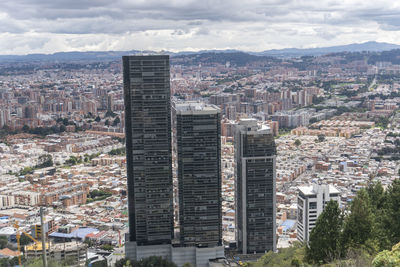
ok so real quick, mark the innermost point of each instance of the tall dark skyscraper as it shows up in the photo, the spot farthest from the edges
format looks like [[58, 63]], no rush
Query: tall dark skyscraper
[[199, 174], [149, 168], [255, 155], [148, 148]]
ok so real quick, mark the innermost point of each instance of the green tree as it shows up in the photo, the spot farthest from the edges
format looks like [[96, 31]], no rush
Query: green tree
[[324, 241], [376, 195], [7, 262], [116, 121], [382, 122], [388, 258], [97, 119], [291, 256], [107, 122], [154, 261], [89, 242], [321, 138], [25, 171], [45, 161], [3, 242], [96, 195], [71, 161], [295, 262], [107, 247], [101, 263], [297, 142], [117, 151], [109, 113], [62, 128], [25, 128], [391, 213], [358, 225], [38, 262], [123, 263], [377, 200]]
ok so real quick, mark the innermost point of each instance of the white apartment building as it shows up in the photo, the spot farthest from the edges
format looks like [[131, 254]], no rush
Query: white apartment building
[[311, 202]]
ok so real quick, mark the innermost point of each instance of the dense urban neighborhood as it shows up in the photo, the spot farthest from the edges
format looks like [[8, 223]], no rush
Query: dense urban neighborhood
[[334, 119]]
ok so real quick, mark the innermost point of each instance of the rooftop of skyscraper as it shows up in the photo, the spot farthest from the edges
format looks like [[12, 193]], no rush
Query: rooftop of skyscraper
[[190, 107], [253, 126]]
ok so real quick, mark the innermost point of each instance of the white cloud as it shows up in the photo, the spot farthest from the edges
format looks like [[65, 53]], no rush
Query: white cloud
[[47, 26]]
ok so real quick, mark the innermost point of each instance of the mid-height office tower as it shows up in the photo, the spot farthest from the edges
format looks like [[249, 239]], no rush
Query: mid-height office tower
[[255, 186], [148, 148], [199, 174]]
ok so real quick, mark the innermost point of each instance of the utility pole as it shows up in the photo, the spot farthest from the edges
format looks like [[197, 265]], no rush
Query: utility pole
[[43, 238]]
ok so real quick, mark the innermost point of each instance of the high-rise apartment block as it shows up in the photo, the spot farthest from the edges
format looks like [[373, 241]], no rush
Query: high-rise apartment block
[[4, 116], [255, 155], [199, 174], [311, 202]]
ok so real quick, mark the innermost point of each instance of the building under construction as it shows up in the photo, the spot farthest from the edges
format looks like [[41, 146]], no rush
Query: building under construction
[[72, 252]]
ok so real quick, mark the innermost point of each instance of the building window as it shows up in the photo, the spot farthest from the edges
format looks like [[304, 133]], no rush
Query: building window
[[300, 202], [300, 216]]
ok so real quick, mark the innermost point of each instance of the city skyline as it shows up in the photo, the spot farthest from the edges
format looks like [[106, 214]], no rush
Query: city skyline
[[47, 27], [274, 138]]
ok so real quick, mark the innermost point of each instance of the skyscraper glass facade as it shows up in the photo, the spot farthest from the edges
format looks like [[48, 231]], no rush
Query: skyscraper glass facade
[[255, 188], [148, 148], [199, 174]]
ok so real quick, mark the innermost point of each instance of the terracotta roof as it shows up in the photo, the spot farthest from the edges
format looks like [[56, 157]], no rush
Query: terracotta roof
[[96, 235], [8, 252]]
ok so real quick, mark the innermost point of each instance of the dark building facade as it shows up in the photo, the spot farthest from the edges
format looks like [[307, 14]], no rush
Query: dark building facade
[[148, 148], [255, 155], [198, 132]]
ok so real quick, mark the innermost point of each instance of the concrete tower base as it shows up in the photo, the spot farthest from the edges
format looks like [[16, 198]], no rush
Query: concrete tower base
[[198, 257]]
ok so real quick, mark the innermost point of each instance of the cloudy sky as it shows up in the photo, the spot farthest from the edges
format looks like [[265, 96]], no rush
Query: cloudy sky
[[47, 26]]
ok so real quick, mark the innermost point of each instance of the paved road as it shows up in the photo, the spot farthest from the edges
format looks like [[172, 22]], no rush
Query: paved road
[[118, 254]]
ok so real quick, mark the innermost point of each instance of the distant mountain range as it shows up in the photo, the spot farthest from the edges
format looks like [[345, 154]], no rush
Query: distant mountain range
[[296, 52], [68, 56], [115, 55]]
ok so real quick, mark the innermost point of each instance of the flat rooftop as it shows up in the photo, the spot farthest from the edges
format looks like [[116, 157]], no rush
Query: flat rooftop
[[11, 212], [312, 189], [251, 126], [193, 107]]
